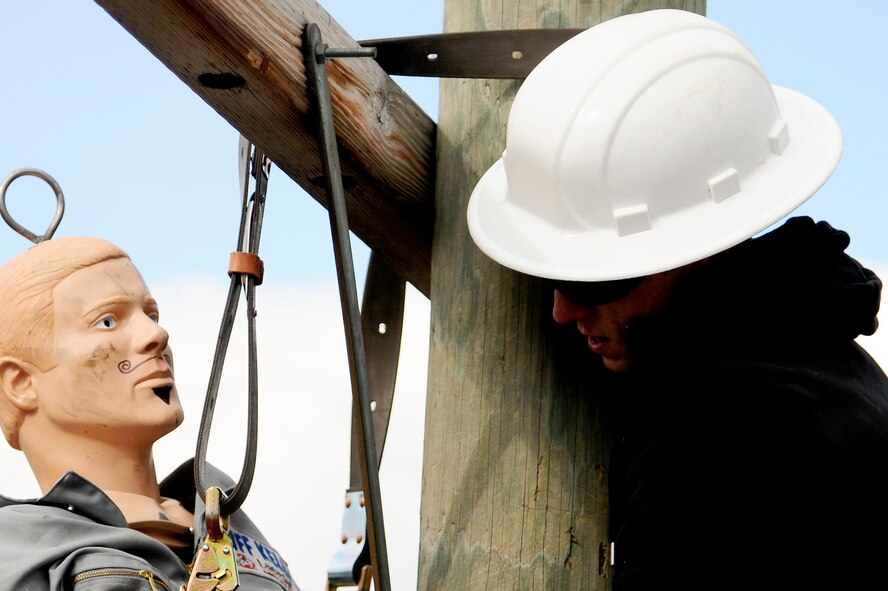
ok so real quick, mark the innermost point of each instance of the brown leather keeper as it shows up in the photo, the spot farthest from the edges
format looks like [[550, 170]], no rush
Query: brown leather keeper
[[248, 264]]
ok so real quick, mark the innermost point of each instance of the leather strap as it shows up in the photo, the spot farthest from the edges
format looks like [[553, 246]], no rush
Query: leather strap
[[246, 263]]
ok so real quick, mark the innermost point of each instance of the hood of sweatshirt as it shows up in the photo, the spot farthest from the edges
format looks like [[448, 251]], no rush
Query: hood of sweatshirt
[[794, 287]]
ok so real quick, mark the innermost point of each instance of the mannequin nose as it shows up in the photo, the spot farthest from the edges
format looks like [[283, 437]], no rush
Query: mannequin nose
[[564, 310], [154, 339]]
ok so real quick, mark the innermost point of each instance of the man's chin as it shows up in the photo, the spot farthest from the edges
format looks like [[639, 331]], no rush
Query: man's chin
[[617, 364]]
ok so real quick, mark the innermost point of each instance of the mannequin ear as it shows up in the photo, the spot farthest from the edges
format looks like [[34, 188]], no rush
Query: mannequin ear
[[17, 384]]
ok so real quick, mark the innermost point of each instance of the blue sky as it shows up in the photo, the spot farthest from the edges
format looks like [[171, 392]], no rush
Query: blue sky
[[145, 163]]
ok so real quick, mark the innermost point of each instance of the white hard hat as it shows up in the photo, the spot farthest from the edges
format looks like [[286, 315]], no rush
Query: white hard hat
[[645, 143]]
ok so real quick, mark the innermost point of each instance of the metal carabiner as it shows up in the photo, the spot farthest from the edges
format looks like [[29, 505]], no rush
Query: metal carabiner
[[60, 204], [214, 567]]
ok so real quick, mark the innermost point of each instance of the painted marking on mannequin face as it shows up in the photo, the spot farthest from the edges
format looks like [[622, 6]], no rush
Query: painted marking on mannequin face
[[126, 366], [163, 392]]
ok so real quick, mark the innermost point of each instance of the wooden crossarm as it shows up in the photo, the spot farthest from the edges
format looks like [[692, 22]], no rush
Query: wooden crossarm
[[243, 57]]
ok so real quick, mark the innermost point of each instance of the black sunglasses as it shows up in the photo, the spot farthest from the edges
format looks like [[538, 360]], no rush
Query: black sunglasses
[[596, 293]]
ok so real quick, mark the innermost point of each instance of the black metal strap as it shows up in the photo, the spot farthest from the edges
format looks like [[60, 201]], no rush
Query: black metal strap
[[470, 54], [316, 53], [382, 317], [252, 213]]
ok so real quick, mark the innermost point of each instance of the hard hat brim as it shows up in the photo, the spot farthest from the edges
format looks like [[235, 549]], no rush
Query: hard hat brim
[[524, 242]]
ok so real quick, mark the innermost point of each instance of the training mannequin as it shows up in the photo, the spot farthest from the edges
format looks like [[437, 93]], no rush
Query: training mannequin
[[86, 389]]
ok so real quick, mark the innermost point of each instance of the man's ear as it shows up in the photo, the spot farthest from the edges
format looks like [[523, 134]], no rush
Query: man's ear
[[17, 383]]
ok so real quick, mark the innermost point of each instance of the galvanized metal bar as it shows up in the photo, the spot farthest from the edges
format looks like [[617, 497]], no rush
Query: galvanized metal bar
[[315, 54]]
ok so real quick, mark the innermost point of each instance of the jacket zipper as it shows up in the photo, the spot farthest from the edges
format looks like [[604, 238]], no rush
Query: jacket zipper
[[156, 583]]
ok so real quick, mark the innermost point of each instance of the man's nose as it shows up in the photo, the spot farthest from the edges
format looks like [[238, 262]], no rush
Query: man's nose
[[564, 310]]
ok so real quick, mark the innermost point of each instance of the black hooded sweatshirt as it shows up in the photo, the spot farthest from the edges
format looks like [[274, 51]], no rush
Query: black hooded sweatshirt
[[752, 447]]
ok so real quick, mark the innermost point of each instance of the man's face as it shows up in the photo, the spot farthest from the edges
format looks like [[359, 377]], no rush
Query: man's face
[[113, 378], [604, 325]]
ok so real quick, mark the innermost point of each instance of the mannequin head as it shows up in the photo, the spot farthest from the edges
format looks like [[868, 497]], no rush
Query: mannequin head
[[81, 353]]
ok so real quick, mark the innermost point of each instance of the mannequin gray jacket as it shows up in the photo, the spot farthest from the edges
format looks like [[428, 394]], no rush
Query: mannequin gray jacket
[[75, 538]]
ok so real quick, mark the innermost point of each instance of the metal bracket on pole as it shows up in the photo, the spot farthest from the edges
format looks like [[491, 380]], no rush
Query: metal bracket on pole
[[472, 54], [316, 54]]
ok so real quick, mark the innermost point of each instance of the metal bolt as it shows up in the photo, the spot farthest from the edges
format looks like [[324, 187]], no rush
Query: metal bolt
[[349, 52], [359, 539], [344, 538], [348, 503], [226, 550], [517, 55], [205, 547], [362, 500]]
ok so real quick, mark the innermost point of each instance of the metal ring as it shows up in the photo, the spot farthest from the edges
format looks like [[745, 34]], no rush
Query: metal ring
[[60, 204]]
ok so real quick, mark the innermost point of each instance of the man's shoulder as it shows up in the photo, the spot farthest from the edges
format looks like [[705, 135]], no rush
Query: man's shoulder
[[844, 371], [837, 401]]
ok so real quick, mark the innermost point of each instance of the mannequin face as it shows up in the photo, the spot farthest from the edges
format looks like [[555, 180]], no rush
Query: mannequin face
[[113, 377]]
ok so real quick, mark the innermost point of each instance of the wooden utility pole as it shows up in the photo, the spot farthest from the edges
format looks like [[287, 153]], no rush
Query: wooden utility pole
[[516, 444]]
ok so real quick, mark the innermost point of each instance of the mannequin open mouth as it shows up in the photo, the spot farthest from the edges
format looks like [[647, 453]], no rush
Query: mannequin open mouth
[[163, 392]]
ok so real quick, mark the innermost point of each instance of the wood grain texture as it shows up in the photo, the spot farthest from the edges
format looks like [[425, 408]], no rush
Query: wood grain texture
[[386, 142], [516, 444]]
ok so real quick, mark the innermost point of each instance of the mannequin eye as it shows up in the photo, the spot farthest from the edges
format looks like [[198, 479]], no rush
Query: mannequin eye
[[106, 322]]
